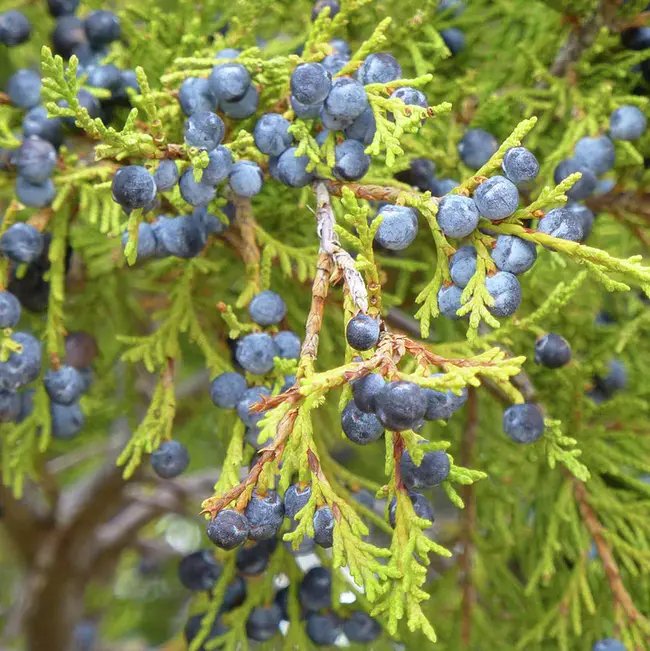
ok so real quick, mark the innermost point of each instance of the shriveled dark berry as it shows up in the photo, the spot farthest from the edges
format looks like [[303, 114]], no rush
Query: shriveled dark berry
[[400, 406], [324, 527], [229, 529], [432, 471], [265, 513], [365, 391], [80, 349], [295, 498]]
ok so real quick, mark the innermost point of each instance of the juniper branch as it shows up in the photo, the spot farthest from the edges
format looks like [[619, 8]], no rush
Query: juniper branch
[[330, 244], [468, 451], [622, 598]]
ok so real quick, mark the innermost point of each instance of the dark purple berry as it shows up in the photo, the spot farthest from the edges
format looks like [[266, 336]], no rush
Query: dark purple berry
[[365, 391], [322, 630], [421, 506], [170, 459], [254, 559], [248, 399], [432, 471], [552, 351], [199, 570], [324, 527], [265, 513], [360, 628], [263, 622], [360, 427], [295, 498], [67, 420], [64, 385], [523, 423], [362, 332], [228, 530], [401, 405], [316, 589]]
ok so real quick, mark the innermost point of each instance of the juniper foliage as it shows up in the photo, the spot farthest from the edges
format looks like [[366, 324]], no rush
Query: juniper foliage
[[548, 544]]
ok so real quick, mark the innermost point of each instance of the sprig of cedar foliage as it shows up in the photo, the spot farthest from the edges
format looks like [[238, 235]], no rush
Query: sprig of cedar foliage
[[396, 588], [148, 435]]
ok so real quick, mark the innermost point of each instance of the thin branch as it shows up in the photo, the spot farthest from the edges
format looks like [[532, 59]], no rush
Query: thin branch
[[25, 521], [250, 252], [579, 40], [319, 291], [399, 319], [376, 192], [583, 36], [622, 598], [640, 20], [145, 505], [467, 455], [632, 202], [329, 243], [78, 455], [273, 451]]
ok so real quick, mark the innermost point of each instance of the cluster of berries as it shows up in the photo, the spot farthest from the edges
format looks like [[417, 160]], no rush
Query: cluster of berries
[[255, 353], [36, 159], [595, 156], [21, 365], [199, 572]]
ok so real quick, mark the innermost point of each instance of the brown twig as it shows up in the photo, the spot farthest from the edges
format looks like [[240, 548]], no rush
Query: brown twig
[[582, 36], [375, 192], [622, 598], [398, 451], [214, 504], [467, 454], [427, 357], [329, 243], [250, 252], [621, 205], [578, 41], [635, 202], [319, 291], [640, 20]]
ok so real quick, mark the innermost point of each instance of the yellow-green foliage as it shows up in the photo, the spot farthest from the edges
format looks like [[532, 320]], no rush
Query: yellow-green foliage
[[537, 586]]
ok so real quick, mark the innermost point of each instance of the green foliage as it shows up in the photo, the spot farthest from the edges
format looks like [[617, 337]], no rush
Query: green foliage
[[520, 513]]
